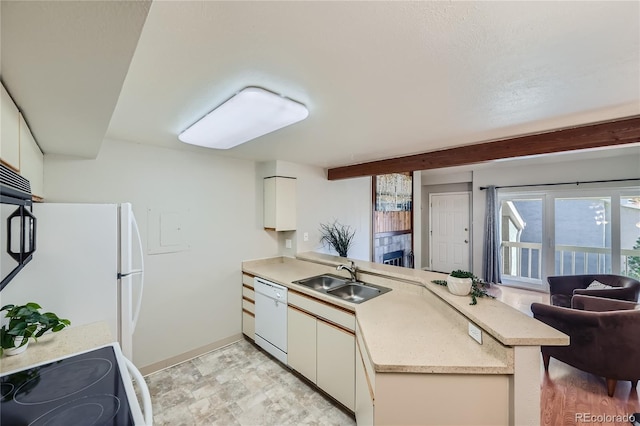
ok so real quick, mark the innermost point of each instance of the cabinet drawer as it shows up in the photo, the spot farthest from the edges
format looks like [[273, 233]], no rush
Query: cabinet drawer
[[247, 280], [323, 310], [248, 293], [248, 306], [248, 325]]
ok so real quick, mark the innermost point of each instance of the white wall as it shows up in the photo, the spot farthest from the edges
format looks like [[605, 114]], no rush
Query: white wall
[[192, 298], [320, 201]]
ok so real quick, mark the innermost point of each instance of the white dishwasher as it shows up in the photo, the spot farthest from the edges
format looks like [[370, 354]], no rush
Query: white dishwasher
[[271, 318]]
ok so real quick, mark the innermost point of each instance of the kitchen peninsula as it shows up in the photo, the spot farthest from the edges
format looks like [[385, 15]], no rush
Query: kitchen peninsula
[[414, 360]]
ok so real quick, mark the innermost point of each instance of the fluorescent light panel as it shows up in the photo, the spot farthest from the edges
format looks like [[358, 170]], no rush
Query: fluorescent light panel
[[251, 113]]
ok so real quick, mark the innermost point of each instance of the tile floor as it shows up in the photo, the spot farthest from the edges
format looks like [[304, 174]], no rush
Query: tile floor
[[238, 385]]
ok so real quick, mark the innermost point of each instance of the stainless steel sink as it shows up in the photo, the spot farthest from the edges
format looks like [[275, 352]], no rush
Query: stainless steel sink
[[343, 288], [323, 282], [355, 293]]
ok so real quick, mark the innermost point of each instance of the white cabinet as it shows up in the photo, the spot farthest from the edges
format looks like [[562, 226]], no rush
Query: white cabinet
[[321, 346], [10, 142], [280, 203], [18, 148], [248, 307], [336, 363], [31, 160], [301, 343], [249, 325]]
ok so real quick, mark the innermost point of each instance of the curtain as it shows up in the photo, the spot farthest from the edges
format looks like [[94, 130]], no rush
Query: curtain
[[491, 267]]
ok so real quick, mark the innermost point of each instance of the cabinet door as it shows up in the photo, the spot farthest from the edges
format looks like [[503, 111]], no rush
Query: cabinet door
[[301, 335], [336, 363], [10, 139], [364, 398], [31, 160], [248, 325], [280, 203]]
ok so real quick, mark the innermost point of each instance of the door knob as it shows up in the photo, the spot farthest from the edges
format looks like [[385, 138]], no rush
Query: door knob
[[466, 242]]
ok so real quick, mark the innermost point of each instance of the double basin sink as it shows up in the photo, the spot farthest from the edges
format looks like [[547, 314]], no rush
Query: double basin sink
[[343, 288]]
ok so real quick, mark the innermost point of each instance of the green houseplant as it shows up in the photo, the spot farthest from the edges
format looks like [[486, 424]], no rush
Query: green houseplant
[[462, 283], [337, 236], [26, 321]]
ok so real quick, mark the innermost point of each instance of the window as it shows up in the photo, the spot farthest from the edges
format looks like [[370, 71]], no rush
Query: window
[[594, 231], [582, 236], [630, 235], [521, 228]]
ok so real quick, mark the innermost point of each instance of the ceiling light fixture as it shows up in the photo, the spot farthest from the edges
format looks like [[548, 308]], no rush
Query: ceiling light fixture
[[250, 113]]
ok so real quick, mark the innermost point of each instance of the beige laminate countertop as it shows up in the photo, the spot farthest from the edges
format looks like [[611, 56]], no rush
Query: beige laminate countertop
[[508, 325], [406, 330], [56, 345]]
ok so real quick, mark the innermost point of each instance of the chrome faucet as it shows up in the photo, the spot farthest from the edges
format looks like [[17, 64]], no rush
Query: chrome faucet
[[352, 270]]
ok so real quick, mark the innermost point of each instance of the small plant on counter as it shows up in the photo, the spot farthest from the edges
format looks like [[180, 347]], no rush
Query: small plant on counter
[[477, 285], [337, 236], [26, 321]]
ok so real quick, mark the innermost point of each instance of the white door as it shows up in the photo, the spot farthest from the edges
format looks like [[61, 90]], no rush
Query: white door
[[449, 231]]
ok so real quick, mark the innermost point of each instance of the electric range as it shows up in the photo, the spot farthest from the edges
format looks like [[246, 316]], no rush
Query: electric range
[[87, 388]]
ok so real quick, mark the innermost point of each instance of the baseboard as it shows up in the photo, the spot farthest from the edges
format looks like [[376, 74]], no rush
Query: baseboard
[[178, 359]]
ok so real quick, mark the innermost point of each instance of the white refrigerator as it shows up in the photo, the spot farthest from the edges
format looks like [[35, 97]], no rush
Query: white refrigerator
[[87, 267]]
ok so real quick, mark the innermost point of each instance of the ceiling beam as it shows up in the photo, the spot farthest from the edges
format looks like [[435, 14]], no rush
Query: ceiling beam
[[612, 132]]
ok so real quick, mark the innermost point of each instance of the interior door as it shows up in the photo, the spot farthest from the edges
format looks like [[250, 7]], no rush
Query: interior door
[[449, 231]]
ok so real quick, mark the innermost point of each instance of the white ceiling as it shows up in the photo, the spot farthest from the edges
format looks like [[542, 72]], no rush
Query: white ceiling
[[380, 79]]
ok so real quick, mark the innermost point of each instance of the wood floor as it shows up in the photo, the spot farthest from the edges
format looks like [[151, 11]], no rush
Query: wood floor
[[570, 396]]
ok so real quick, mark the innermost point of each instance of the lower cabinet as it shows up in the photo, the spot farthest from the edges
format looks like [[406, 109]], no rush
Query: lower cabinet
[[336, 363], [321, 351], [301, 344], [249, 325], [248, 307]]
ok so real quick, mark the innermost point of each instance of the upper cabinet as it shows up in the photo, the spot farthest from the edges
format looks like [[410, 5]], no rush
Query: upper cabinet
[[10, 142], [18, 148], [31, 160], [280, 203]]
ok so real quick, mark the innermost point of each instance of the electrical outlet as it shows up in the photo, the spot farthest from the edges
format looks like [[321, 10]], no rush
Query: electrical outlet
[[305, 236], [287, 243], [475, 333]]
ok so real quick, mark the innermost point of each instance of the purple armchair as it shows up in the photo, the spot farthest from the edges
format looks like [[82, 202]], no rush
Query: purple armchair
[[604, 335], [562, 288]]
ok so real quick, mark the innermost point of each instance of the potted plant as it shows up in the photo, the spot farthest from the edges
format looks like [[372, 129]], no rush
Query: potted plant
[[337, 236], [26, 321], [462, 283], [459, 282]]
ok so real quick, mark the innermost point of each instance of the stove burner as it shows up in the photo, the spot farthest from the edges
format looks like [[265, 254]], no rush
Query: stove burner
[[62, 381], [81, 389], [88, 410], [5, 389]]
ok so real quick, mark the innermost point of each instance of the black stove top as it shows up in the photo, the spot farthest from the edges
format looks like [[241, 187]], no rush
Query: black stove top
[[84, 389]]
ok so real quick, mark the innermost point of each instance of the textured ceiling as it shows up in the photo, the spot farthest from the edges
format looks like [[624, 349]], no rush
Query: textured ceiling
[[64, 63], [380, 79]]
